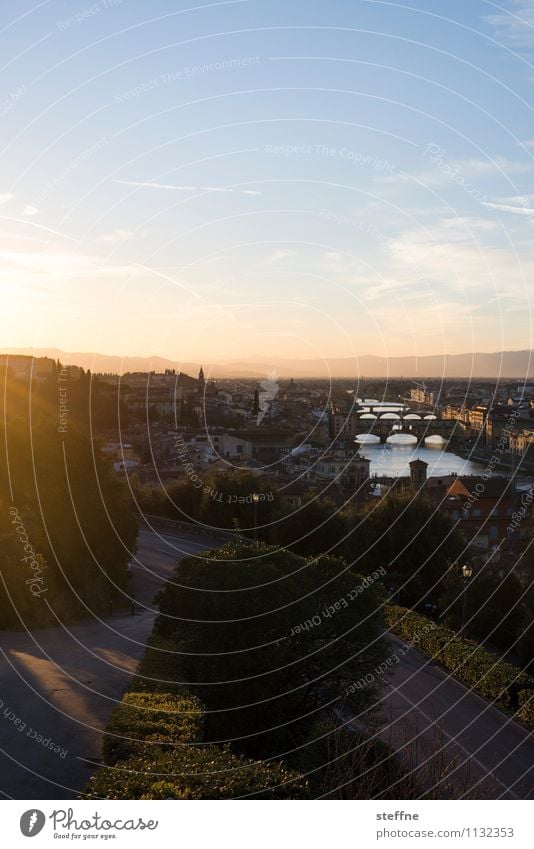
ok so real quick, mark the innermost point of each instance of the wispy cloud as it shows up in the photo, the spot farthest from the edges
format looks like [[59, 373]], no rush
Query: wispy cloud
[[339, 262], [504, 207], [51, 265], [445, 171], [515, 200], [29, 211], [117, 236], [171, 188], [515, 24], [460, 267], [278, 255], [5, 197], [481, 167], [37, 226]]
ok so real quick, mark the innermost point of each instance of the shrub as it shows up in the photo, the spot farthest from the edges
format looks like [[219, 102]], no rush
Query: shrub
[[341, 764], [150, 719], [159, 669], [526, 707], [474, 665], [270, 638], [152, 752], [210, 772]]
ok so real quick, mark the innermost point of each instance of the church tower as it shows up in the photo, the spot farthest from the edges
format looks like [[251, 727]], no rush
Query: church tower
[[201, 381], [418, 473]]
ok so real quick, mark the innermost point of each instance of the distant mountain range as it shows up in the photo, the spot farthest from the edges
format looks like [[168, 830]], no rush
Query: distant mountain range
[[503, 364]]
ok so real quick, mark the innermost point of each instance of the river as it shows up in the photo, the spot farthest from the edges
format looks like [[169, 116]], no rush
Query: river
[[393, 460]]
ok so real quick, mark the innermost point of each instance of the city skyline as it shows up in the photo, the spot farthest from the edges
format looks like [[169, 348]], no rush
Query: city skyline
[[498, 365]]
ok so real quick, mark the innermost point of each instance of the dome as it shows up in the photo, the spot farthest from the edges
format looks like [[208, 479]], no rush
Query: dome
[[413, 416], [390, 416], [430, 418], [368, 416]]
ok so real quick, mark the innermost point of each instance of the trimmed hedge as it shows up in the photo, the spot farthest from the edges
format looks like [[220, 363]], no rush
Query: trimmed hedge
[[159, 670], [149, 719], [526, 707], [211, 772], [152, 749], [471, 663]]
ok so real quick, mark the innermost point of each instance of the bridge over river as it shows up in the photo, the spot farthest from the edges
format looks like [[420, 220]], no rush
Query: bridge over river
[[380, 421]]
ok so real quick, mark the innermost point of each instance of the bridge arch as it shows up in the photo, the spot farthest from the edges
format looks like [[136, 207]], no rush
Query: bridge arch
[[402, 439], [367, 438], [435, 439]]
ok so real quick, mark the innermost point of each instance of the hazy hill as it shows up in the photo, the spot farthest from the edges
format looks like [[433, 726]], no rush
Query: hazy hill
[[504, 364]]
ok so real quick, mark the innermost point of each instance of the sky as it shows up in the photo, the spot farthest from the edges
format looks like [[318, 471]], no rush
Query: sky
[[254, 178]]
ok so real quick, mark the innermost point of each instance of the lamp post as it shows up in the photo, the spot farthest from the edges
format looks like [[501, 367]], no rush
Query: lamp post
[[255, 501], [467, 572]]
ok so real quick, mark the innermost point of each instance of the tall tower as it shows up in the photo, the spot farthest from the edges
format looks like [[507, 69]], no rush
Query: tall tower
[[418, 473], [201, 381]]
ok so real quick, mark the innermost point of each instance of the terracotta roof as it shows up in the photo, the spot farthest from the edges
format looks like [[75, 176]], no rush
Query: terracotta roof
[[493, 487]]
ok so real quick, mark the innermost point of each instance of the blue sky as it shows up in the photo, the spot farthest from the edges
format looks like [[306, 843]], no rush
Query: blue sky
[[258, 178]]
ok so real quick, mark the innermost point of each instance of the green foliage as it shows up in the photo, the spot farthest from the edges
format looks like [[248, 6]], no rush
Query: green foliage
[[495, 611], [318, 526], [186, 772], [228, 495], [345, 765], [158, 671], [526, 707], [414, 540], [224, 498], [150, 719], [152, 748], [471, 663], [271, 638], [74, 514]]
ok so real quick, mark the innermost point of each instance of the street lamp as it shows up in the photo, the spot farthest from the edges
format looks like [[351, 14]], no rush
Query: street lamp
[[467, 572], [255, 500]]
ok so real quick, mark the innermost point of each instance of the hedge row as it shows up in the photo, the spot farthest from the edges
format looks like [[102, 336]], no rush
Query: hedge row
[[186, 772], [152, 719], [526, 707], [478, 668], [152, 747], [157, 671]]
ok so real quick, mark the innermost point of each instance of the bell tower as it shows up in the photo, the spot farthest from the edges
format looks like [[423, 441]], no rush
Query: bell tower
[[201, 381], [418, 473]]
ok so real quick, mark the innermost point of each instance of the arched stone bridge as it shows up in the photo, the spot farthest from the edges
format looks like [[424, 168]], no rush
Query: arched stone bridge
[[419, 426]]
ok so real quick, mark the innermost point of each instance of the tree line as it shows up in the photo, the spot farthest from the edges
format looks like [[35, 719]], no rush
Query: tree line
[[66, 523]]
